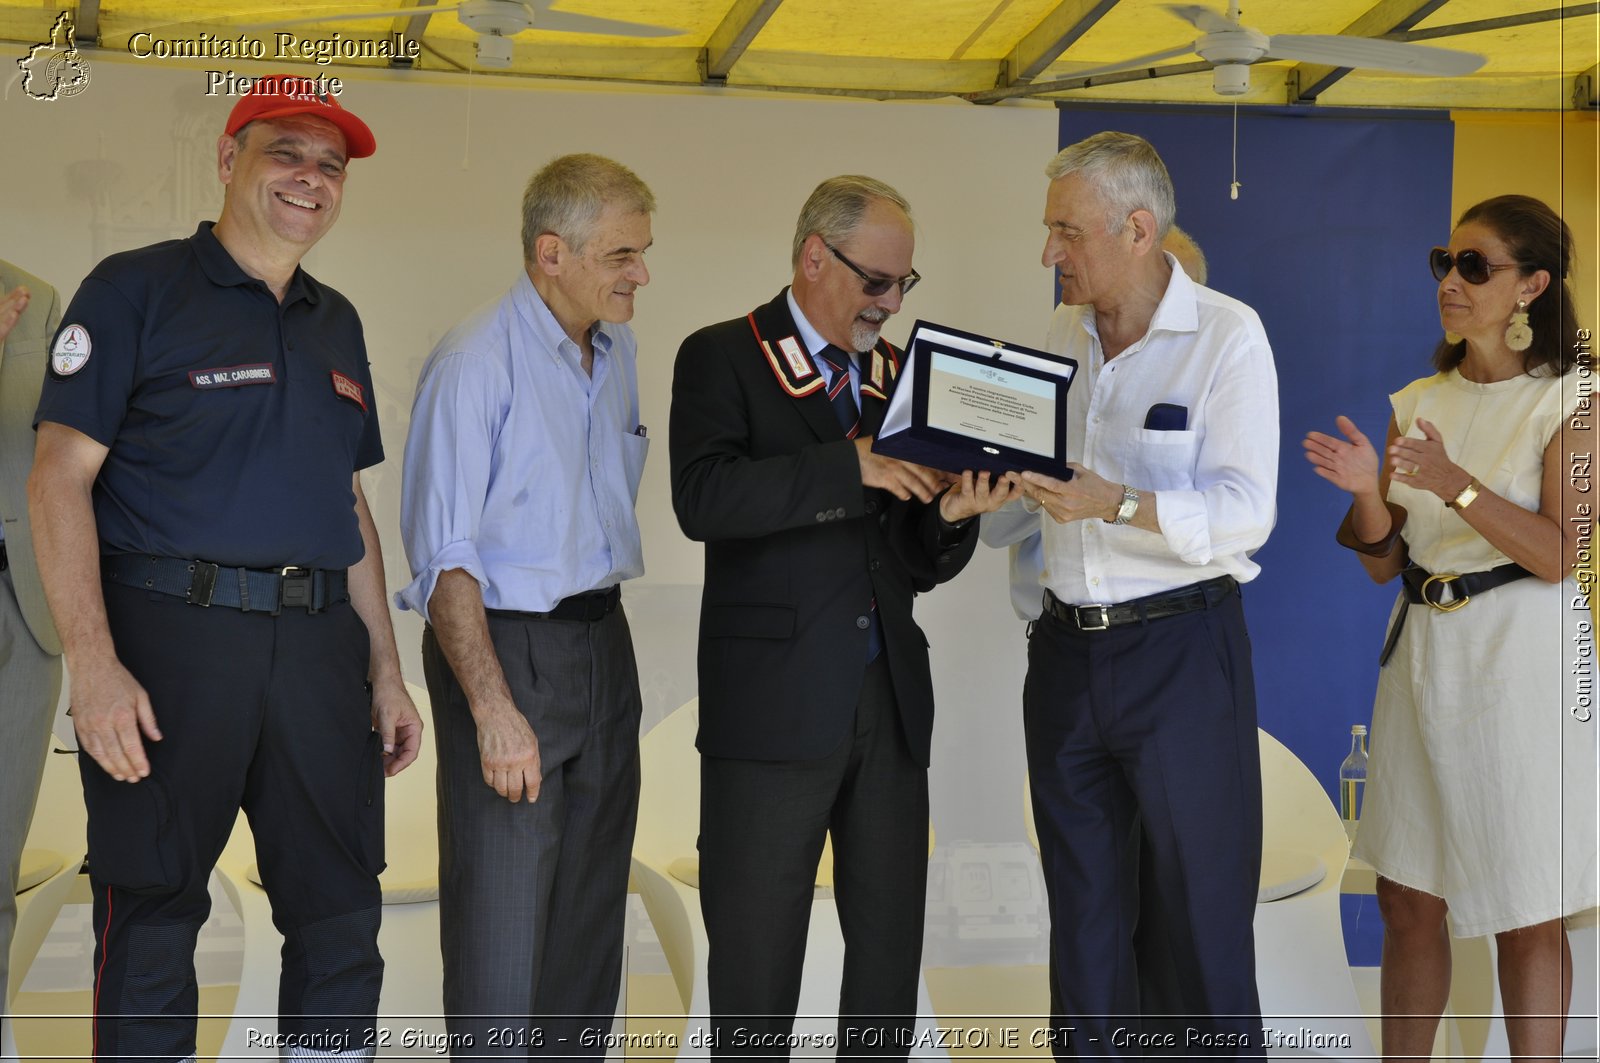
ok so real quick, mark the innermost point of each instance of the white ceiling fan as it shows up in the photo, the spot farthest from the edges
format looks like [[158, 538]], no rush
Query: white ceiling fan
[[1230, 47], [496, 22]]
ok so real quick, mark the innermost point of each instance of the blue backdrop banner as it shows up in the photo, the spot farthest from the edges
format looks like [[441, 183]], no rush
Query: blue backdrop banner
[[1328, 241]]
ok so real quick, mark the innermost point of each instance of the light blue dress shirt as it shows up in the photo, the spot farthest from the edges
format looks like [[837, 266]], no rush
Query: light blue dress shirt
[[520, 468], [814, 345]]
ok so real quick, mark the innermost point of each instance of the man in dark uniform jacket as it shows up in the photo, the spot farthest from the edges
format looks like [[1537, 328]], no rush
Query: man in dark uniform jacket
[[816, 703], [216, 577]]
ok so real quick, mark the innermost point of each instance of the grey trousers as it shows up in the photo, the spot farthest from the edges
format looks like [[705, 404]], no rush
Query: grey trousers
[[30, 685], [532, 897]]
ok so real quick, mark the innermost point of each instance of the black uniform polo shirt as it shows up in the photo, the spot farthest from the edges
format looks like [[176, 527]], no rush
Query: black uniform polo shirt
[[234, 423]]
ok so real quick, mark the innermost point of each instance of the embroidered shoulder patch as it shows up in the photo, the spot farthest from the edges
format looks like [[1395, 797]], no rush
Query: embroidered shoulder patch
[[346, 388], [71, 350]]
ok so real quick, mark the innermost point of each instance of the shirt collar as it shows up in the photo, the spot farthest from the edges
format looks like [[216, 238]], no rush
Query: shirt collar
[[221, 269], [809, 335], [531, 305], [1178, 310]]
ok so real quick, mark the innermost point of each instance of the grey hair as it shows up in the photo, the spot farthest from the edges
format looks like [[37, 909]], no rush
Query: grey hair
[[1127, 173], [1187, 252], [567, 197], [836, 207]]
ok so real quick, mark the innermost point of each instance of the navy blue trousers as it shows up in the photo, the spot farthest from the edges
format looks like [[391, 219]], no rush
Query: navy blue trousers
[[1144, 765], [269, 714]]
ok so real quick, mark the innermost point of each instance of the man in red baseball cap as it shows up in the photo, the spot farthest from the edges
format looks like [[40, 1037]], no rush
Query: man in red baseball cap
[[285, 95], [217, 580]]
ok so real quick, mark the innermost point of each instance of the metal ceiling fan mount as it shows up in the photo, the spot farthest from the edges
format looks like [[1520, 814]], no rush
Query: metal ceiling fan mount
[[506, 18], [495, 22], [1230, 51]]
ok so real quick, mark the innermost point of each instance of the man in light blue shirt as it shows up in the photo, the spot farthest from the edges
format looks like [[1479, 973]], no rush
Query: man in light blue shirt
[[521, 472]]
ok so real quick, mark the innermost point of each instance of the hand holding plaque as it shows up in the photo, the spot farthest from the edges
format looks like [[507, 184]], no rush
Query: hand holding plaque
[[973, 494], [901, 479]]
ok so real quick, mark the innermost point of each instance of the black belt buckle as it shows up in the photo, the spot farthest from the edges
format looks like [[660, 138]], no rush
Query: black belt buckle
[[1080, 612], [202, 583], [297, 589]]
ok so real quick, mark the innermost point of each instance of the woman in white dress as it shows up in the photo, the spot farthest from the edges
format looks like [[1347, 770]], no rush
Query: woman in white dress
[[1480, 804]]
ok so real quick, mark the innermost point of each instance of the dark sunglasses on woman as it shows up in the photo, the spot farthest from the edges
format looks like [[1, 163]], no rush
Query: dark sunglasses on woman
[[1473, 265]]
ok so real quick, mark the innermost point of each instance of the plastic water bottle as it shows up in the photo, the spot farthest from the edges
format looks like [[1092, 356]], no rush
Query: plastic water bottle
[[1353, 779]]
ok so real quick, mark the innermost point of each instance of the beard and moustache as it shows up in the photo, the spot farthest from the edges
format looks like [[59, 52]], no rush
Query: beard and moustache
[[865, 328]]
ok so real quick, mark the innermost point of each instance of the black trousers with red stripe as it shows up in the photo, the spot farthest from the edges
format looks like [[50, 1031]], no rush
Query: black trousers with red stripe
[[269, 714]]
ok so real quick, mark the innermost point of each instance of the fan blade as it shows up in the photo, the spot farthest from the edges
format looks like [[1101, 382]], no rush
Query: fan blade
[[1128, 64], [1203, 19], [1368, 53], [341, 16], [565, 22], [543, 19]]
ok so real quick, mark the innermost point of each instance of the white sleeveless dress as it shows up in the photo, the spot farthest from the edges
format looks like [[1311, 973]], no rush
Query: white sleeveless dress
[[1482, 782]]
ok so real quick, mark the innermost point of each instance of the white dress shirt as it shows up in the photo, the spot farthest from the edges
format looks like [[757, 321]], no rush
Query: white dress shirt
[[1214, 479]]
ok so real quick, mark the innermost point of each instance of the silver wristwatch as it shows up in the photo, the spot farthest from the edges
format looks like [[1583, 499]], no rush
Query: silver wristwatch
[[1130, 505]]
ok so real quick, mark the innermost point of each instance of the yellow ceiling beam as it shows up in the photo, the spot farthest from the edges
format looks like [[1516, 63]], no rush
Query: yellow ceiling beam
[[734, 34], [1502, 22], [86, 24], [1096, 81], [874, 75], [413, 27], [1533, 92], [1055, 33]]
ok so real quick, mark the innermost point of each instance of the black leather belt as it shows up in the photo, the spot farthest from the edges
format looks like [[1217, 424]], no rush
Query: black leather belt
[[1188, 599], [1445, 592], [588, 607], [247, 589]]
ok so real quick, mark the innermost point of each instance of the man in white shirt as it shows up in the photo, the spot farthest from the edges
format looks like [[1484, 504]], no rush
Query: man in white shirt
[[1140, 702], [1017, 527]]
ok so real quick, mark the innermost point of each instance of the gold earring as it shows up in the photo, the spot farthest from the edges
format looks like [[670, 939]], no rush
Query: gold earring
[[1519, 337]]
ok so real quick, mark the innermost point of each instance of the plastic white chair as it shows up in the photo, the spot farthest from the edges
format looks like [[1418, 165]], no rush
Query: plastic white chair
[[666, 869], [413, 984], [1301, 968], [51, 858]]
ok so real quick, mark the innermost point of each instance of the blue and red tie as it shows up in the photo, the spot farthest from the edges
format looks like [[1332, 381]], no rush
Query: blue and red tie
[[839, 391], [844, 406]]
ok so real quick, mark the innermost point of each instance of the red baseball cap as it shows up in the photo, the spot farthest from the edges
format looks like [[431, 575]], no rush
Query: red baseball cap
[[283, 95]]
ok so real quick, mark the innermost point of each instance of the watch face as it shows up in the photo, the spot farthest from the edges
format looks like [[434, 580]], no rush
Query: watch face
[[1129, 506]]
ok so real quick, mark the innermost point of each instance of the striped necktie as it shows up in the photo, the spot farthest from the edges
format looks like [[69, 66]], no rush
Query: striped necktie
[[839, 391], [844, 405]]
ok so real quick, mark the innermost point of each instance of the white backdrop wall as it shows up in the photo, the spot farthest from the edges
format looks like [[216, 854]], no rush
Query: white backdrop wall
[[430, 229]]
